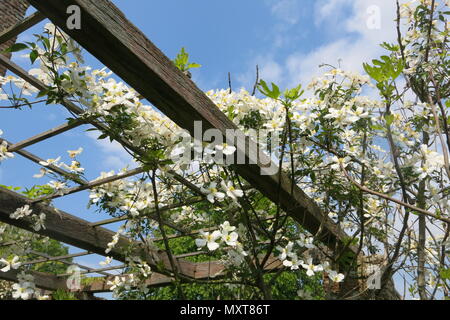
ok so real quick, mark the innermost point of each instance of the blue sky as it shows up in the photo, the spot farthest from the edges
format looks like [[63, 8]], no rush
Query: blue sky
[[288, 39]]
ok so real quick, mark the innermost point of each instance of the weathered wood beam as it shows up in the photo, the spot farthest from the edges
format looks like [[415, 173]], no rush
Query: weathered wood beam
[[45, 135], [72, 230], [42, 280], [143, 66], [22, 26]]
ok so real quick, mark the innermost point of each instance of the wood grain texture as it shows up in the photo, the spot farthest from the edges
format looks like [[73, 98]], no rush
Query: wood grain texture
[[42, 280], [13, 31]]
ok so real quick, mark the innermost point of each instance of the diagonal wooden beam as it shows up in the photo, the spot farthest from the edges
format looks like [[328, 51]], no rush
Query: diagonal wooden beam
[[22, 26], [42, 280], [45, 135], [92, 184], [48, 259], [72, 230], [32, 157], [143, 66]]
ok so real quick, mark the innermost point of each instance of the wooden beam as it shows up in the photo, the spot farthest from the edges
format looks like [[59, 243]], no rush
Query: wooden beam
[[30, 156], [93, 270], [69, 263], [45, 135], [91, 184], [151, 214], [72, 230], [143, 66], [48, 259], [42, 280], [22, 26], [101, 285]]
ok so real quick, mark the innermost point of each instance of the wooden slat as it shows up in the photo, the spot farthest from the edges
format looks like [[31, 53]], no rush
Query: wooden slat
[[143, 66], [22, 26], [101, 285], [67, 256], [32, 157], [92, 184], [45, 135], [93, 270], [69, 263], [151, 214]]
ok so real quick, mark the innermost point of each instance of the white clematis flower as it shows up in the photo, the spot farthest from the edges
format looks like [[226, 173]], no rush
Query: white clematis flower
[[209, 240], [10, 264]]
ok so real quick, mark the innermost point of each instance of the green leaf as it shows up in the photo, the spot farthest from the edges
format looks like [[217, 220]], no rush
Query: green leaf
[[389, 118], [194, 65], [16, 47], [33, 56], [273, 93], [445, 274]]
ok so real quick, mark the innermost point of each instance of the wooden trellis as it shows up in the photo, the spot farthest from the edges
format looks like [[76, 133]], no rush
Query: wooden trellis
[[145, 68]]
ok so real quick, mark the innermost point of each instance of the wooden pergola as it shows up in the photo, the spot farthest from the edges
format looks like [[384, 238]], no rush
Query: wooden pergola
[[145, 68]]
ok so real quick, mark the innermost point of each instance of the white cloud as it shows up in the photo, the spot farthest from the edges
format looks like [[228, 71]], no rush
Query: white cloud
[[287, 10], [357, 27], [370, 24], [114, 155], [269, 71], [326, 9]]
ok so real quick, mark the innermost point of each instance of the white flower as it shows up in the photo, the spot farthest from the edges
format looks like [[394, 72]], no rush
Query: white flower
[[230, 238], [212, 193], [226, 227], [42, 172], [231, 191], [50, 162], [306, 242], [21, 212], [311, 268], [4, 154], [208, 239], [57, 186], [335, 276], [117, 282], [294, 263], [22, 291], [113, 243], [10, 264], [338, 162], [74, 167], [286, 251], [39, 222], [74, 153], [107, 261]]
